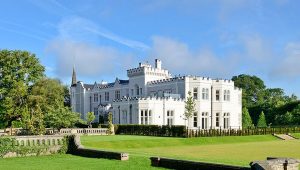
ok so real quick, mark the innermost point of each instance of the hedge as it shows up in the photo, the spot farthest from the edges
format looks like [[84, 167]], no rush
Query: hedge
[[151, 130], [181, 131]]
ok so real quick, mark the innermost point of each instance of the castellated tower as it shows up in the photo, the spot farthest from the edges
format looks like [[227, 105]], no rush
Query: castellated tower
[[140, 76]]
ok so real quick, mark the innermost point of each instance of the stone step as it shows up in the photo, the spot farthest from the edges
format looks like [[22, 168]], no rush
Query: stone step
[[284, 136]]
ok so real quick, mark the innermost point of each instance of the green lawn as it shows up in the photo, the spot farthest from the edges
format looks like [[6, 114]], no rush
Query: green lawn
[[57, 162], [297, 135], [229, 150]]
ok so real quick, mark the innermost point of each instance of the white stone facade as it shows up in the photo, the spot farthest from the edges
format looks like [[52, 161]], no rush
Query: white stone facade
[[152, 96]]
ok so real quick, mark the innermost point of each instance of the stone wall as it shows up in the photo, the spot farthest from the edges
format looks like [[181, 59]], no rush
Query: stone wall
[[75, 148], [33, 145], [191, 165]]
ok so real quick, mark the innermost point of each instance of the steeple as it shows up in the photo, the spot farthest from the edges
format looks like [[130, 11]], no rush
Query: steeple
[[74, 81]]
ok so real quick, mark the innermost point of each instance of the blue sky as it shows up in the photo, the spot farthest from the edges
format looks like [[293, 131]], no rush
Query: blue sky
[[218, 38]]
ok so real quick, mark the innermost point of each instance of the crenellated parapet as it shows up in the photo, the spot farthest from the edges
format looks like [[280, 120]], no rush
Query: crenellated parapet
[[166, 80], [147, 69], [149, 98]]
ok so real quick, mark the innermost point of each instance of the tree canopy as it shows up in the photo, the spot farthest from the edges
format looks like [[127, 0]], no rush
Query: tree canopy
[[19, 70], [256, 97], [28, 97]]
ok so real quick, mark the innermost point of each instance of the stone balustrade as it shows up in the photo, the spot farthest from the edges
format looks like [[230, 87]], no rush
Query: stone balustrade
[[88, 131], [50, 140]]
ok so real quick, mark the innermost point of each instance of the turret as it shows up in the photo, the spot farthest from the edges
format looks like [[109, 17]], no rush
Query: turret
[[74, 81]]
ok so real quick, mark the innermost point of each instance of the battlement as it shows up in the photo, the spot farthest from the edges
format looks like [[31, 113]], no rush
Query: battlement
[[147, 69], [166, 80], [149, 98], [199, 78], [223, 81]]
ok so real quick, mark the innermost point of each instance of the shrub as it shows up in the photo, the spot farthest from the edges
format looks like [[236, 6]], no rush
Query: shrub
[[151, 130]]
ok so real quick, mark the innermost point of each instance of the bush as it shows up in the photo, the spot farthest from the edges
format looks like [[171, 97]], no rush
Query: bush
[[151, 130]]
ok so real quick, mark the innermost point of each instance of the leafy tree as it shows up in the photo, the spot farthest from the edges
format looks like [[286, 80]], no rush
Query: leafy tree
[[62, 117], [110, 124], [51, 93], [90, 117], [19, 70], [246, 118], [296, 115], [253, 89], [262, 120], [67, 97], [189, 107], [35, 118]]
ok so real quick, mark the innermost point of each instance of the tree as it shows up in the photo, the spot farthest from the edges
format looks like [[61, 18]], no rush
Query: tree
[[35, 119], [51, 93], [246, 118], [189, 107], [110, 124], [62, 117], [253, 89], [90, 117], [67, 97], [262, 120], [19, 70]]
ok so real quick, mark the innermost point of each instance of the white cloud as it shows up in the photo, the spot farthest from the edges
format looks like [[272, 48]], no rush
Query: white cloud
[[177, 56], [256, 48], [288, 66], [90, 61]]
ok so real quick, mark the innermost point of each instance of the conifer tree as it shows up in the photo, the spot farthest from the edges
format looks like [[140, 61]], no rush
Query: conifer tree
[[246, 118], [261, 120]]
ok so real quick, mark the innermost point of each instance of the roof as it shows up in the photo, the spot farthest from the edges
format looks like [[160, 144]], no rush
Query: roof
[[88, 86], [124, 81]]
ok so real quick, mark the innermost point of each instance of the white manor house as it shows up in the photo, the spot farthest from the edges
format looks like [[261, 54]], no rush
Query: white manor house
[[152, 96]]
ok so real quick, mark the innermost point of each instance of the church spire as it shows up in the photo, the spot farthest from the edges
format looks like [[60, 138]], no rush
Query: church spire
[[74, 81]]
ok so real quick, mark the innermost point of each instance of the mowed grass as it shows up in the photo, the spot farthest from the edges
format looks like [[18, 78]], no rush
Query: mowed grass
[[57, 162], [234, 150], [297, 135]]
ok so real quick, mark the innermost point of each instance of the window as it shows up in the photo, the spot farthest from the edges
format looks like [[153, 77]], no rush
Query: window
[[226, 95], [117, 95], [146, 117], [96, 111], [130, 114], [96, 97], [205, 92], [106, 96], [226, 120], [170, 117], [195, 93], [137, 90], [217, 119], [132, 92], [127, 92], [204, 120], [141, 91], [150, 117], [217, 95], [124, 116], [195, 119], [142, 117]]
